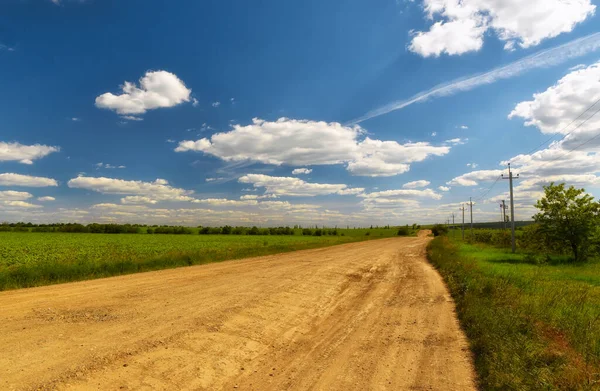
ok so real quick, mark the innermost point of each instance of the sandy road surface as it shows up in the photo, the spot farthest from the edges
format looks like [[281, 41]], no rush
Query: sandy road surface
[[362, 316]]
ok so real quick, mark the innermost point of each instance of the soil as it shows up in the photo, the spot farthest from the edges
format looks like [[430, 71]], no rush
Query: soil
[[372, 315]]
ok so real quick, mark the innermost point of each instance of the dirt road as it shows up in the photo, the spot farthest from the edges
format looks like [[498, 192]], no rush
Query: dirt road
[[363, 316]]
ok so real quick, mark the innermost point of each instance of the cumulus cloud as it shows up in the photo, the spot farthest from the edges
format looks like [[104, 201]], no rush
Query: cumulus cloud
[[216, 104], [404, 193], [559, 109], [25, 154], [138, 200], [159, 190], [397, 199], [46, 199], [299, 171], [302, 142], [11, 195], [472, 165], [452, 37], [157, 89], [416, 184], [19, 204], [290, 186], [225, 202], [475, 177], [464, 23], [444, 188], [11, 179]]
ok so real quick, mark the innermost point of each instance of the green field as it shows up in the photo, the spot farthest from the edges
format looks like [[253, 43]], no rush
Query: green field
[[31, 259], [531, 326]]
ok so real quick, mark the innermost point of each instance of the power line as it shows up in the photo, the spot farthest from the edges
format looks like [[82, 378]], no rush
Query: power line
[[488, 190], [580, 145], [565, 127]]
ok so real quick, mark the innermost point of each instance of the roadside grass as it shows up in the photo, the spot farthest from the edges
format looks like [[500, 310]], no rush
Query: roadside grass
[[35, 259], [532, 326]]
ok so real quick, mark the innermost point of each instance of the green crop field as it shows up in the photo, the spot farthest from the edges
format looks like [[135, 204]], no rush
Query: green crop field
[[31, 259]]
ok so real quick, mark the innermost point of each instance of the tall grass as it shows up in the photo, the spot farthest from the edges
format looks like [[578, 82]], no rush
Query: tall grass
[[531, 327]]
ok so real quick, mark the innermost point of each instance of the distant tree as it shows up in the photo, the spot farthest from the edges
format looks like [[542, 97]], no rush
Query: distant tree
[[570, 217]]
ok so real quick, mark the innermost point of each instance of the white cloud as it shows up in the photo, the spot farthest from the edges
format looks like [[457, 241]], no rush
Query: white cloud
[[475, 177], [132, 118], [195, 102], [138, 200], [290, 186], [302, 142], [453, 37], [46, 199], [285, 205], [397, 199], [226, 202], [464, 23], [157, 89], [433, 134], [214, 179], [11, 195], [11, 179], [472, 165], [25, 154], [19, 204], [444, 188], [464, 127], [256, 197], [416, 184], [554, 110], [404, 193], [457, 141], [107, 166], [542, 59], [216, 104], [159, 190], [75, 119], [299, 171]]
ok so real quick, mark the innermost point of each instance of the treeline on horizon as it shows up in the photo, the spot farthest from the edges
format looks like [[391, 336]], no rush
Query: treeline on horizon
[[170, 230]]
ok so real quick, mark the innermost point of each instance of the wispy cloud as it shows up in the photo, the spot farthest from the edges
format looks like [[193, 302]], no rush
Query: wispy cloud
[[542, 59]]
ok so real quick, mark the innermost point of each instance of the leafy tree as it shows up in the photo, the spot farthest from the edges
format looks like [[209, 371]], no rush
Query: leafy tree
[[568, 217]]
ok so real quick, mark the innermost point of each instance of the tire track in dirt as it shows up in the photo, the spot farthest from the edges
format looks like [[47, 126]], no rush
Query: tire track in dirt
[[363, 316]]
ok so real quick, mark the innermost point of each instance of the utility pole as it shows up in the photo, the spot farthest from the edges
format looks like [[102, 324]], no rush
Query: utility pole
[[471, 209], [462, 207], [512, 208], [504, 207]]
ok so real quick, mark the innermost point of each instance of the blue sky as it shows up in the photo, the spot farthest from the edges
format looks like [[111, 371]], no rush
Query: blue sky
[[389, 111]]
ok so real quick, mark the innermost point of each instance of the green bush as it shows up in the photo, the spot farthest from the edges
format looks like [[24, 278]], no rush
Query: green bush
[[403, 231], [439, 230]]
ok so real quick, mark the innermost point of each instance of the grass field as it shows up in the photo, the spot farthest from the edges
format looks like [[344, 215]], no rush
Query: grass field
[[531, 327], [32, 259]]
